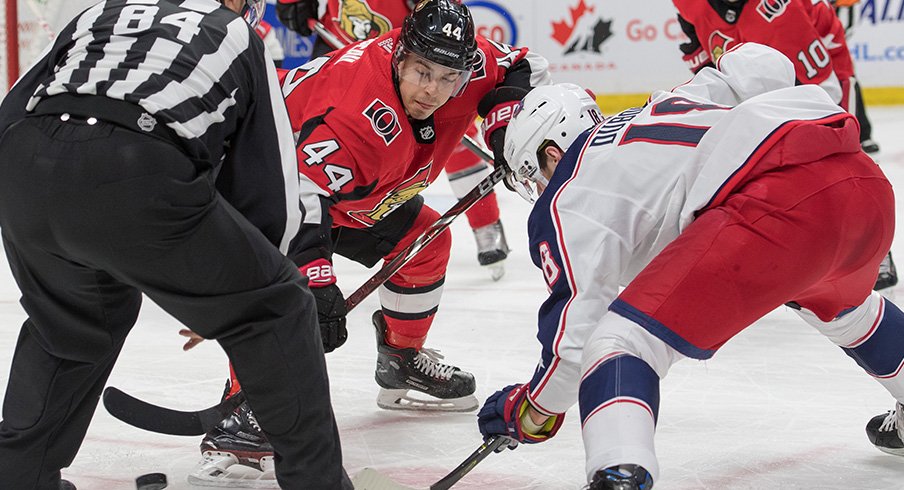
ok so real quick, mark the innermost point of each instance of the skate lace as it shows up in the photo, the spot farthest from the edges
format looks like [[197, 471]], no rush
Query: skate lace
[[253, 421], [891, 421], [427, 362]]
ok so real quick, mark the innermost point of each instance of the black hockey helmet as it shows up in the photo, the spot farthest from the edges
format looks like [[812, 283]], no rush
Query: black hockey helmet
[[441, 31]]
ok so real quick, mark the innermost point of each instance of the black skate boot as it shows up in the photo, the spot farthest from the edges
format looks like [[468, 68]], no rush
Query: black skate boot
[[888, 274], [624, 477], [869, 146], [884, 431], [66, 485], [236, 452], [492, 248], [401, 370]]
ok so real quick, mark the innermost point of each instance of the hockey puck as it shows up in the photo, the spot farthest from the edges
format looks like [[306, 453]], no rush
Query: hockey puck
[[151, 481]]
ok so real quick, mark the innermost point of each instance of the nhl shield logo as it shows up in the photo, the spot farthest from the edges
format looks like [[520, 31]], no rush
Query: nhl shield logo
[[146, 122], [427, 133]]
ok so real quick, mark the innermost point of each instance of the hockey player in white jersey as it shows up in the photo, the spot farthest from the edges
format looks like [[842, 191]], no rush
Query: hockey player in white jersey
[[713, 204]]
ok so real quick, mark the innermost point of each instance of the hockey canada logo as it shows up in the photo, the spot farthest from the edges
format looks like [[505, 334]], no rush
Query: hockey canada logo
[[718, 45], [394, 198], [582, 31], [384, 120], [770, 9]]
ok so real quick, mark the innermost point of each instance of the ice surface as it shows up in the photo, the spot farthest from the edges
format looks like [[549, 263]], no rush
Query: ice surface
[[778, 408]]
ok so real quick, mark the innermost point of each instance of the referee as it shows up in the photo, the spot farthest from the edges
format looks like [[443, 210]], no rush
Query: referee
[[149, 151]]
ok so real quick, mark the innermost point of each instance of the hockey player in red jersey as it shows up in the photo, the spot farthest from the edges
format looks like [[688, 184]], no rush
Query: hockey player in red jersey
[[375, 123], [714, 204], [807, 32], [359, 20]]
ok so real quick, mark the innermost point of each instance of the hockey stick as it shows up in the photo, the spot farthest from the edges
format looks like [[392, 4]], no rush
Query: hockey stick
[[371, 479], [483, 188], [162, 420], [337, 43]]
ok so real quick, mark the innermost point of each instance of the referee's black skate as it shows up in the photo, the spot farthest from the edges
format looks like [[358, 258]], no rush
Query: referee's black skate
[[401, 370], [885, 431], [235, 453], [624, 477]]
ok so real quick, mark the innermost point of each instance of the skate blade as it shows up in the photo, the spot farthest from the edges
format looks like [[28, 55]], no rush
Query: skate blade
[[221, 469], [371, 479], [496, 270], [887, 450], [403, 399]]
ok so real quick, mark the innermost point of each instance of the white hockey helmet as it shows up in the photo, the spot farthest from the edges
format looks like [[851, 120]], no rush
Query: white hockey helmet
[[253, 12], [547, 114]]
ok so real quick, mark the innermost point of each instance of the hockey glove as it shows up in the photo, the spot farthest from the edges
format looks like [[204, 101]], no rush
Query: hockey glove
[[496, 108], [295, 14], [502, 412], [331, 309]]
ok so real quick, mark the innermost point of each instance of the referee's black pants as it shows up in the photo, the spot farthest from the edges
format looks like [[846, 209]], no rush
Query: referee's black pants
[[91, 217]]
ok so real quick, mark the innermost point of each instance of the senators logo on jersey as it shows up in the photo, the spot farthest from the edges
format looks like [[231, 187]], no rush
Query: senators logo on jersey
[[770, 9], [718, 45], [383, 120], [360, 22], [395, 198]]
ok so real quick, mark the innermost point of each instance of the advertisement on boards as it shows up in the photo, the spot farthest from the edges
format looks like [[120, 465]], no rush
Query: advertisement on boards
[[876, 42], [618, 47]]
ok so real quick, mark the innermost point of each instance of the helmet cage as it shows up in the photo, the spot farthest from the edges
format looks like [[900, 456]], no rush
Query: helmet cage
[[253, 12]]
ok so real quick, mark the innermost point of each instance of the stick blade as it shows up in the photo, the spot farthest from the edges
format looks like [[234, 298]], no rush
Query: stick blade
[[371, 479], [150, 417]]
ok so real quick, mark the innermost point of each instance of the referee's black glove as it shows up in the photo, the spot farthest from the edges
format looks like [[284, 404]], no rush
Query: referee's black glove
[[295, 14]]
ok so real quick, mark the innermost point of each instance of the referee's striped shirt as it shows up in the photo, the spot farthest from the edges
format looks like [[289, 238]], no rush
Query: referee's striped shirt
[[200, 69]]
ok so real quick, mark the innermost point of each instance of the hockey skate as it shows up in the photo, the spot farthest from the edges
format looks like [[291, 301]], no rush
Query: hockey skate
[[492, 248], [400, 371], [869, 146], [888, 274], [624, 477], [236, 454], [886, 431]]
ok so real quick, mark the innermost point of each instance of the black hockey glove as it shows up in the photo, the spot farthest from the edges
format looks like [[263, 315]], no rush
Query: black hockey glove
[[331, 309], [331, 316], [295, 14]]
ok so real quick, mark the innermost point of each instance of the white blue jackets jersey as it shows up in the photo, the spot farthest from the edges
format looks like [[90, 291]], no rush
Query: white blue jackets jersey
[[628, 187]]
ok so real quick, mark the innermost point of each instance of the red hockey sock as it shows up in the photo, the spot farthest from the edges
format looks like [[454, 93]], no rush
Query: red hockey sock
[[234, 386], [404, 334], [485, 212]]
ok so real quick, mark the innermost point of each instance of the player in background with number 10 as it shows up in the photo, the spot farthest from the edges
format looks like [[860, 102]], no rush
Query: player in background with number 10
[[807, 32]]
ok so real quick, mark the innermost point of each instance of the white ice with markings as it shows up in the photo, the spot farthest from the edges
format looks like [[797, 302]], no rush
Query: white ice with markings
[[779, 407]]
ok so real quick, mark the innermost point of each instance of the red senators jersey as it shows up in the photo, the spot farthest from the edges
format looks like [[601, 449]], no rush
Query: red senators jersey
[[806, 31], [357, 20], [354, 140]]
